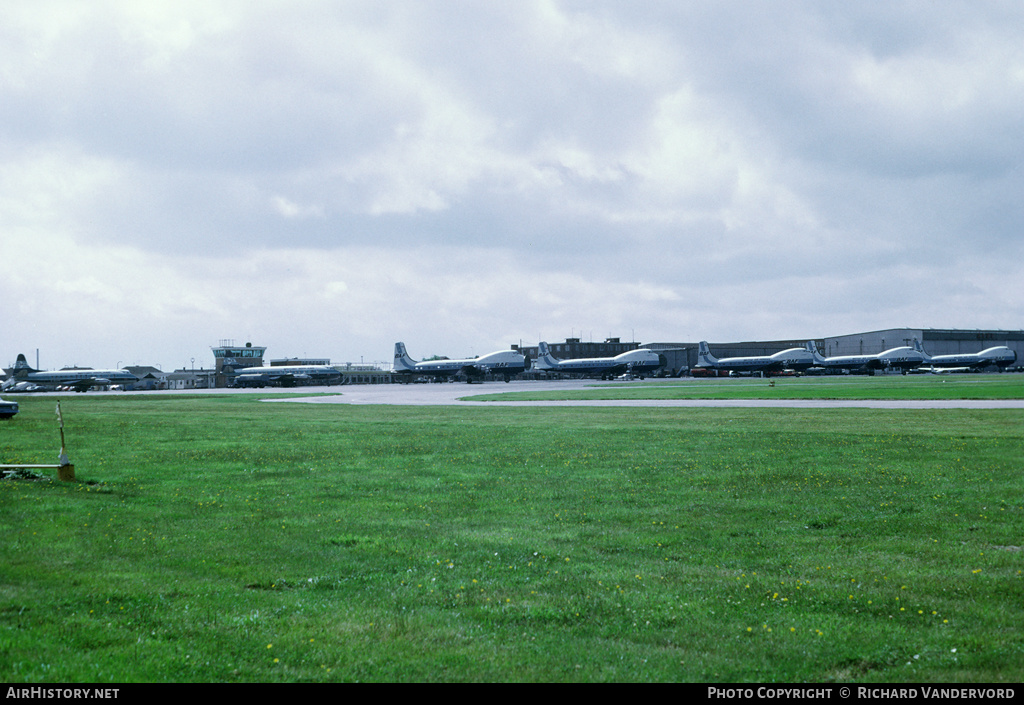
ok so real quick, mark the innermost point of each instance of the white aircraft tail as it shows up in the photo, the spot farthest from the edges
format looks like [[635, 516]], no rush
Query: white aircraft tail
[[704, 356], [403, 363], [544, 359], [812, 348], [21, 367], [920, 349]]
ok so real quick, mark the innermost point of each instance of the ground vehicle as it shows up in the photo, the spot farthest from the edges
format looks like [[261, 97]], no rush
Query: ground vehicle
[[8, 409]]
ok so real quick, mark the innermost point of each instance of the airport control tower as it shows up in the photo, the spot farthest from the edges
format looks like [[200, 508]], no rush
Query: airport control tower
[[231, 355]]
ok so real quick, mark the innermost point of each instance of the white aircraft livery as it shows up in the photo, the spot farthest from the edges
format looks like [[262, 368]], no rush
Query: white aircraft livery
[[79, 380], [797, 359], [638, 362], [504, 362], [287, 376], [902, 358], [1000, 356]]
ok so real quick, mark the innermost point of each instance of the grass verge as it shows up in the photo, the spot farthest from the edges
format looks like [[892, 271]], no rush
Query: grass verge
[[895, 387]]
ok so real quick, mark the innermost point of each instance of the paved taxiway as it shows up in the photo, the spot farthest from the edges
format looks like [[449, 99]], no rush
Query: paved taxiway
[[448, 393]]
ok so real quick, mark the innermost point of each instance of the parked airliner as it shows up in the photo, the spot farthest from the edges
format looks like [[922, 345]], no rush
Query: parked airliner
[[503, 362], [797, 359], [637, 362], [903, 358], [79, 380], [1000, 355], [287, 376]]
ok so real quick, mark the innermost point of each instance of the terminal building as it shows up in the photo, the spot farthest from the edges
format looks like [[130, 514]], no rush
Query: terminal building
[[575, 349], [233, 356], [237, 357]]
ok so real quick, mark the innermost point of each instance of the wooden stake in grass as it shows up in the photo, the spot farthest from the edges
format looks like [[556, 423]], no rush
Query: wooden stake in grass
[[66, 471]]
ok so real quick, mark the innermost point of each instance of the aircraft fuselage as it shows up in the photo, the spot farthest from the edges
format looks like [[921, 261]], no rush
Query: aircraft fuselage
[[1000, 356], [503, 362], [901, 358], [638, 362], [80, 380], [798, 359], [287, 376]]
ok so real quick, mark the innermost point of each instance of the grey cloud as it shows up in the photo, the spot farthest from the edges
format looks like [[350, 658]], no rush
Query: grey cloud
[[725, 154]]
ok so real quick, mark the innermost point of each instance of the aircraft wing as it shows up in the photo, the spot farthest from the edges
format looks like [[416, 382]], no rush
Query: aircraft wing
[[84, 385]]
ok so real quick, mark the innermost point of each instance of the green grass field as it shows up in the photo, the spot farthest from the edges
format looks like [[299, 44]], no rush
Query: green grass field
[[219, 538], [928, 386]]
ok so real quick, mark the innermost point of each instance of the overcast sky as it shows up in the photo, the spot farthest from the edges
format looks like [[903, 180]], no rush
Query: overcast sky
[[327, 178]]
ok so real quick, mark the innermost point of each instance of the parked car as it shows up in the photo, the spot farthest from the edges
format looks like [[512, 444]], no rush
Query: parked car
[[8, 409]]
